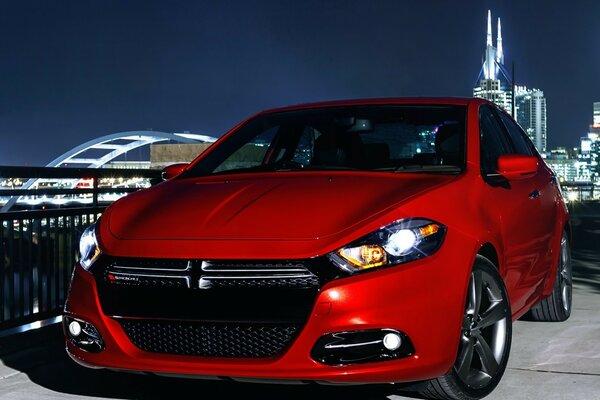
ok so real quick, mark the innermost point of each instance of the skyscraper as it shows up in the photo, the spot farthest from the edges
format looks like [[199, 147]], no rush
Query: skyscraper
[[596, 120], [530, 109], [494, 81], [589, 156], [496, 84]]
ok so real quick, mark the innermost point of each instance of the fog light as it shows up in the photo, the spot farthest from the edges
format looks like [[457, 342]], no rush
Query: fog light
[[392, 341], [75, 328], [83, 335], [342, 348]]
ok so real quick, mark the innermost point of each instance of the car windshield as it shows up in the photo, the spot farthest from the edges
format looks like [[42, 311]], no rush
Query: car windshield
[[396, 138]]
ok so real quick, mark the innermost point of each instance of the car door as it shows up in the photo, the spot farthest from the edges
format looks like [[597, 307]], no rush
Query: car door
[[544, 200], [515, 205]]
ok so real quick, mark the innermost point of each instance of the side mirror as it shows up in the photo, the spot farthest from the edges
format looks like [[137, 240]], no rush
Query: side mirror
[[517, 166], [173, 170]]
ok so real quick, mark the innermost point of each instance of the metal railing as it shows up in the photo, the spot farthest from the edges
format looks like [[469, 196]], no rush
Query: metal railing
[[38, 248], [95, 175]]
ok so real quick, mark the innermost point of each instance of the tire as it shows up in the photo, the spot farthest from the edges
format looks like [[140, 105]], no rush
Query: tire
[[483, 350], [557, 306]]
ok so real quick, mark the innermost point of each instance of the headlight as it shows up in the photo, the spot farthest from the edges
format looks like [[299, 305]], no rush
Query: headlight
[[402, 241], [88, 247]]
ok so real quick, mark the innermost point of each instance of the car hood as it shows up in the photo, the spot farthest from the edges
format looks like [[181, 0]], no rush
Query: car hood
[[277, 206]]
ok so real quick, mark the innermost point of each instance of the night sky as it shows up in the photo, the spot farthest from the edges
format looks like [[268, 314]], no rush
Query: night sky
[[71, 71]]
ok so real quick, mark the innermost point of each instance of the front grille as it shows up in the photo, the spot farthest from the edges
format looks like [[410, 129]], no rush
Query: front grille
[[210, 339], [196, 274], [220, 291]]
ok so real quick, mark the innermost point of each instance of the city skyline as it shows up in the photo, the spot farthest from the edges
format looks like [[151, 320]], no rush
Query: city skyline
[[79, 70]]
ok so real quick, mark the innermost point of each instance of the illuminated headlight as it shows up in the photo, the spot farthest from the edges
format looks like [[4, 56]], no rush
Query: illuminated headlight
[[400, 242], [88, 247]]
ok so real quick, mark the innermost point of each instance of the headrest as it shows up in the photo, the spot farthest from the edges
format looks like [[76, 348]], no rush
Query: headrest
[[449, 144]]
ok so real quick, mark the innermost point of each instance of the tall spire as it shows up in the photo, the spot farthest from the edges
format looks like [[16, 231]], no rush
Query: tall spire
[[499, 54], [489, 30], [494, 81]]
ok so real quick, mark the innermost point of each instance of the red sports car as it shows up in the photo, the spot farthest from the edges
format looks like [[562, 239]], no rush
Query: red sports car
[[369, 241]]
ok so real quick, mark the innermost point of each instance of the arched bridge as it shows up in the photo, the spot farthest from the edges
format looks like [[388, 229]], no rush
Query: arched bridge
[[100, 151]]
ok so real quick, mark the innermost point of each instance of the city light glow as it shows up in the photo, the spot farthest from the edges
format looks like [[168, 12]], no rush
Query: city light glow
[[572, 196]]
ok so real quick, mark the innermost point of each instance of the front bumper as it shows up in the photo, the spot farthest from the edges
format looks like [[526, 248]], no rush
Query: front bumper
[[424, 299]]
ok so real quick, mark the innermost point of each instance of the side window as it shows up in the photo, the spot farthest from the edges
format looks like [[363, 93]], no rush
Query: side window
[[493, 140], [517, 136], [252, 153]]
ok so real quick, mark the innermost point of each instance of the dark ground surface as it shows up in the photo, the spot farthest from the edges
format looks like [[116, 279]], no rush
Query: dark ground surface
[[548, 361]]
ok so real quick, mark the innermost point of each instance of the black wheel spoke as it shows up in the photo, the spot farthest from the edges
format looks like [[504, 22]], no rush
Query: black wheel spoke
[[494, 314], [465, 359], [475, 293], [488, 362]]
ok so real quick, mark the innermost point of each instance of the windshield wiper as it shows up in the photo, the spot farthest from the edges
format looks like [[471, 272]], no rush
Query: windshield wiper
[[246, 170], [418, 168], [262, 168], [329, 168]]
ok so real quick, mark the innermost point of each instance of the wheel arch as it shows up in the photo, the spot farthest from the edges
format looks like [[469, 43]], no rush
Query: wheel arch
[[488, 250]]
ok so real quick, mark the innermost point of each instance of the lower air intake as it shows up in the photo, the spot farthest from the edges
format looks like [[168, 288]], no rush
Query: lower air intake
[[209, 339]]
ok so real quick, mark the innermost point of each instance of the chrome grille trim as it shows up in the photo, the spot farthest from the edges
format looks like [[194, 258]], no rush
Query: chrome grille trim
[[282, 270], [187, 268], [210, 274], [257, 276]]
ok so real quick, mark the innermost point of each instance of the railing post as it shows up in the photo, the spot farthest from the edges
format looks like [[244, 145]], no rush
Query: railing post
[[95, 194]]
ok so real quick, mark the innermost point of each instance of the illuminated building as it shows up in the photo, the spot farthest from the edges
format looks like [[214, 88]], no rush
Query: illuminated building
[[530, 107], [588, 160], [596, 120], [494, 81], [563, 164]]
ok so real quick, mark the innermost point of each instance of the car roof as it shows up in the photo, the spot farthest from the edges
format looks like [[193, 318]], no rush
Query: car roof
[[458, 101]]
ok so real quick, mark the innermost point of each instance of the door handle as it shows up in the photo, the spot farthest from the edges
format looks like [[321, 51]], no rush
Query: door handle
[[535, 194]]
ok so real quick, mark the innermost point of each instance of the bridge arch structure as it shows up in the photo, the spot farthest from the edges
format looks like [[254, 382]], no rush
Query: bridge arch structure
[[114, 145], [97, 152]]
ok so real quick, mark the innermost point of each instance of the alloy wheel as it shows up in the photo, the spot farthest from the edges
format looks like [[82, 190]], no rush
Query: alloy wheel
[[484, 331]]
